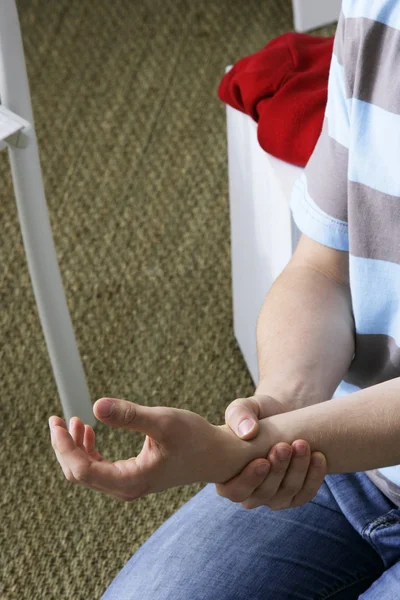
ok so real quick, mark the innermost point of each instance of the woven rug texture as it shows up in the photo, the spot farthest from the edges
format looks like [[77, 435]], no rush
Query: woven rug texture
[[132, 141]]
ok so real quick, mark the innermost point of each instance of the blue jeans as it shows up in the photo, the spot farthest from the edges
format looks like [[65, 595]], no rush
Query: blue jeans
[[344, 544]]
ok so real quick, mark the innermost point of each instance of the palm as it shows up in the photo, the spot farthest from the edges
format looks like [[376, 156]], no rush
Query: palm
[[180, 448], [148, 461]]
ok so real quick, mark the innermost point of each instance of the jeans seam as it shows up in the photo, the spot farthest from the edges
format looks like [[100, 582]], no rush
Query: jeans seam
[[369, 528], [380, 522], [343, 587]]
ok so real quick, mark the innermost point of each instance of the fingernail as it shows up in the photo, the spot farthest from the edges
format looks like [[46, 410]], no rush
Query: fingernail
[[105, 408], [317, 460], [246, 426], [300, 449], [262, 469], [283, 452]]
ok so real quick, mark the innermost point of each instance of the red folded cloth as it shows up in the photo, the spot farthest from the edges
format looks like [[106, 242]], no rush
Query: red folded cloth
[[284, 88]]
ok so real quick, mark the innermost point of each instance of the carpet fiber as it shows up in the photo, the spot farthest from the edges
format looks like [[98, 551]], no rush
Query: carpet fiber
[[133, 151]]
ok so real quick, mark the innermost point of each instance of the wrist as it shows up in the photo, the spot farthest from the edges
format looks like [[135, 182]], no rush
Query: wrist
[[236, 453], [242, 452]]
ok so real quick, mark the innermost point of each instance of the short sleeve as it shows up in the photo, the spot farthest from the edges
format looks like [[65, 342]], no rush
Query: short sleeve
[[319, 197]]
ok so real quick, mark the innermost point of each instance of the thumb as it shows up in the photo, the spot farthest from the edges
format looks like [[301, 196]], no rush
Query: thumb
[[128, 415], [242, 417], [243, 414]]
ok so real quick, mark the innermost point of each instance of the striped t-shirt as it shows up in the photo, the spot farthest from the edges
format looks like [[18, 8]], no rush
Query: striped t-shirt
[[348, 196]]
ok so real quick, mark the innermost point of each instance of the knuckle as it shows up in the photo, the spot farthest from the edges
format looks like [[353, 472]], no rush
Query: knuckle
[[128, 414], [233, 407], [245, 403], [81, 474], [219, 489], [302, 499], [139, 492], [237, 497], [132, 495], [279, 505], [69, 476], [128, 498], [249, 504], [229, 494], [221, 492]]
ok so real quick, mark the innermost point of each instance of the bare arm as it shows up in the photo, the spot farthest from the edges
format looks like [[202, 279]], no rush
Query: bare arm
[[357, 432], [305, 329]]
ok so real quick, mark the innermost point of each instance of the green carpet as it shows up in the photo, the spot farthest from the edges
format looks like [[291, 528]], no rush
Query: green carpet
[[133, 150]]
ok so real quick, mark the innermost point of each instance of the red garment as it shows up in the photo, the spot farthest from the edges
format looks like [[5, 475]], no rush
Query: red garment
[[284, 88]]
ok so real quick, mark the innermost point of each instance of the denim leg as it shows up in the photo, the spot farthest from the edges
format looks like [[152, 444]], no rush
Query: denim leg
[[387, 587], [212, 548], [377, 520]]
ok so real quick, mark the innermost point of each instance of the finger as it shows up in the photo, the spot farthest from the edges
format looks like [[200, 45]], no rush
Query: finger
[[67, 473], [279, 457], [295, 476], [89, 439], [89, 442], [115, 412], [103, 476], [54, 420], [77, 430], [268, 488], [124, 494], [242, 417], [251, 410], [239, 488], [313, 481]]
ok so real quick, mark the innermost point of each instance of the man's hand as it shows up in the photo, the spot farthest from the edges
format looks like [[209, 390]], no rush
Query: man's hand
[[180, 448], [296, 474]]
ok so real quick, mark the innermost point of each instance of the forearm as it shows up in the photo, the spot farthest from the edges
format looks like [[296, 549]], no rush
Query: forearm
[[355, 433], [305, 337]]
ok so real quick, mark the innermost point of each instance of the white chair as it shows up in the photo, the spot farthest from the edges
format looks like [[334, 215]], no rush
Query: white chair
[[263, 233], [251, 276], [17, 133]]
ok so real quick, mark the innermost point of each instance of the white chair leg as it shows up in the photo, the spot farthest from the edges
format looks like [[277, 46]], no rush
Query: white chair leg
[[36, 230]]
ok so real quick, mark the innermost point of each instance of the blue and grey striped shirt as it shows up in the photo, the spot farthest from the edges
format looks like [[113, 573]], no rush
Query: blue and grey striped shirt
[[348, 196]]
